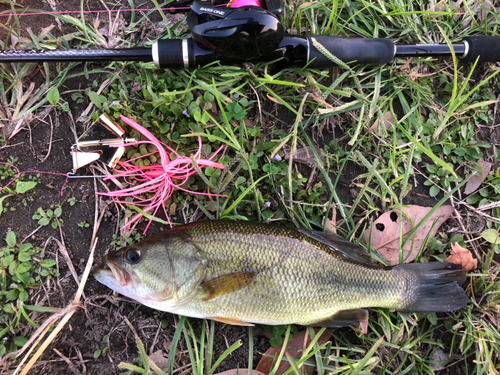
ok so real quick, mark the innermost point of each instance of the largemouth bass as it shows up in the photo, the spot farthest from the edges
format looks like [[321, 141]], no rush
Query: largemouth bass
[[242, 273]]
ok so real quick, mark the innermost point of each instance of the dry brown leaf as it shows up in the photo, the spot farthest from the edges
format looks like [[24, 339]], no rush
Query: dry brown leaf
[[439, 360], [304, 5], [297, 343], [305, 155], [486, 8], [386, 231], [476, 180], [460, 255], [240, 371], [158, 359], [441, 7], [272, 98], [331, 223], [387, 122], [363, 323], [249, 123]]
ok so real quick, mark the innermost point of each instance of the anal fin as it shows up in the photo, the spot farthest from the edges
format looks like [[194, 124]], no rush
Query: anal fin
[[226, 284], [344, 318], [232, 321]]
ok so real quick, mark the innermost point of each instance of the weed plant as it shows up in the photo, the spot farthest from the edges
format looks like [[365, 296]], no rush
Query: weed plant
[[21, 267], [442, 115]]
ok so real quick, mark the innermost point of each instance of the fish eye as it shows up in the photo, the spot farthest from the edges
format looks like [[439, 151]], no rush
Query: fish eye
[[132, 255]]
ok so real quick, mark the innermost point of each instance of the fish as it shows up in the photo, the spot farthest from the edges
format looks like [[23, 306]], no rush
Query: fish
[[246, 273]]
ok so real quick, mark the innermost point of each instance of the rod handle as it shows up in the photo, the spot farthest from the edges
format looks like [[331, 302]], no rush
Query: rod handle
[[487, 48], [361, 50]]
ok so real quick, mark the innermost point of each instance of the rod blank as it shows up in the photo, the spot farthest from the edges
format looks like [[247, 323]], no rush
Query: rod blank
[[76, 55], [430, 50]]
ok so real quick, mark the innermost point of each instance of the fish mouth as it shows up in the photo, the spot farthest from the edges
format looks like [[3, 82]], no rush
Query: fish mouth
[[120, 275]]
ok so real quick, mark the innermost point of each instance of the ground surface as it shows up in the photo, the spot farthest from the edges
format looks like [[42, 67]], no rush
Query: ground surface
[[45, 146], [103, 314]]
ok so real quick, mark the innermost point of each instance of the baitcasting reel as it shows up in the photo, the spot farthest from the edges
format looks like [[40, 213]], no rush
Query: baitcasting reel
[[245, 33], [249, 30]]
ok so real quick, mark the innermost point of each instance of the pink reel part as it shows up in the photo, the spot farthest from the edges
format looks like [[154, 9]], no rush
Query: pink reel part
[[244, 3]]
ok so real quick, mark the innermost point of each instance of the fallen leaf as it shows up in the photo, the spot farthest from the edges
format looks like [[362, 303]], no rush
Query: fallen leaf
[[363, 323], [305, 5], [159, 360], [460, 255], [240, 371], [483, 11], [476, 180], [248, 123], [441, 7], [331, 223], [305, 155], [272, 98], [297, 343], [385, 233], [439, 360], [14, 40], [387, 122]]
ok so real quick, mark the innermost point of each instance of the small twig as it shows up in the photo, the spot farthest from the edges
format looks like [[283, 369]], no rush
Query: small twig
[[8, 146], [258, 104], [32, 233], [105, 172], [53, 6], [82, 362], [66, 359], [458, 217], [97, 220], [155, 339], [249, 67], [489, 206], [136, 336], [50, 140], [73, 126], [64, 253], [479, 212]]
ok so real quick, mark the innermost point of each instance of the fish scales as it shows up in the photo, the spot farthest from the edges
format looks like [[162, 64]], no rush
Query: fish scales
[[277, 275], [298, 280]]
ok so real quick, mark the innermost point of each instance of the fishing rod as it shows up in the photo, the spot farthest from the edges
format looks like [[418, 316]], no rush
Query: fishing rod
[[250, 30]]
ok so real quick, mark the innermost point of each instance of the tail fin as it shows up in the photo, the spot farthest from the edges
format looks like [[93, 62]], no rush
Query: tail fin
[[434, 287]]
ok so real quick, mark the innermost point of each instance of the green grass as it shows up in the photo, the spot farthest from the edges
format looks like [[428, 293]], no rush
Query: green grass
[[438, 107]]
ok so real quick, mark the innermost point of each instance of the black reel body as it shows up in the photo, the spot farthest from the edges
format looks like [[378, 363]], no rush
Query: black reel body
[[244, 34]]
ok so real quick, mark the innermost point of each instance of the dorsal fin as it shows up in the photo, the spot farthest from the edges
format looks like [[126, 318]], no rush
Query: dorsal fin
[[348, 249]]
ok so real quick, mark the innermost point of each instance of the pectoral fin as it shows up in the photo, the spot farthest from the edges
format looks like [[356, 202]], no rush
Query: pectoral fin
[[344, 318], [232, 321], [227, 284]]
